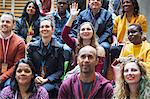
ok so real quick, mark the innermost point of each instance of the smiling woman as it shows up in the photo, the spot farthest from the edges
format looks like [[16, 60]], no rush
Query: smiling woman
[[130, 15], [22, 83], [27, 26], [132, 81], [86, 36]]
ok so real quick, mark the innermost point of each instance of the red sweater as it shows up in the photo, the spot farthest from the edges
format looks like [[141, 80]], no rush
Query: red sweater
[[16, 51]]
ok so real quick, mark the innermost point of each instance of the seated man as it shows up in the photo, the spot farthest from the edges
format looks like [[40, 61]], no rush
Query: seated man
[[47, 57], [12, 48], [137, 48], [87, 83], [103, 24], [61, 16]]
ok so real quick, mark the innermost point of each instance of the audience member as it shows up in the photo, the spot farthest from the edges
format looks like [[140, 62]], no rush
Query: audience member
[[61, 16], [86, 36], [82, 3], [12, 48], [27, 26], [132, 81], [47, 57], [130, 14], [44, 6], [115, 7], [103, 25], [137, 48], [87, 84], [22, 83], [105, 4]]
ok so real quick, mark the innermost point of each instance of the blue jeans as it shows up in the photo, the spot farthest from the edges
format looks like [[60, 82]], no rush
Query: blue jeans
[[115, 52]]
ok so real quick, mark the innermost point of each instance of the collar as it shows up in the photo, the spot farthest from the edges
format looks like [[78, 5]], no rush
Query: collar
[[7, 36], [97, 14], [42, 44], [58, 16], [53, 42]]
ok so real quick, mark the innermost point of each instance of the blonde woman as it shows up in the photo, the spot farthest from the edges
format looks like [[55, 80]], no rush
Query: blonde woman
[[132, 82]]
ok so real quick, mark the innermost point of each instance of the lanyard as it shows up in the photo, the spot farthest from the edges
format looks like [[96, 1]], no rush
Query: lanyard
[[29, 27], [82, 91], [91, 92], [16, 93], [5, 51], [43, 64]]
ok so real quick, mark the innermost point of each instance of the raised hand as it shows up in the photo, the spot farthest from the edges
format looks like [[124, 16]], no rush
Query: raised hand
[[74, 11]]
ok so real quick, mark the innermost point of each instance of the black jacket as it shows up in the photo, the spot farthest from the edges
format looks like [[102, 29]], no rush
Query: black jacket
[[53, 57]]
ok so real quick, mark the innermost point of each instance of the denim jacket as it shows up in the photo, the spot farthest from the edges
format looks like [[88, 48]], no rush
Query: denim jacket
[[102, 22], [59, 24], [21, 28]]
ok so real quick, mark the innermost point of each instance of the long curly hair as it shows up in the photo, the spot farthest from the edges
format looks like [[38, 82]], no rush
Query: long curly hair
[[136, 8], [122, 90]]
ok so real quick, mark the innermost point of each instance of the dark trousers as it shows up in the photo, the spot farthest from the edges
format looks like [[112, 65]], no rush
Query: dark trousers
[[106, 46], [115, 52]]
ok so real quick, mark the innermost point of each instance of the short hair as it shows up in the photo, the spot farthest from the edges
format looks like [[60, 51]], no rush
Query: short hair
[[138, 26], [88, 46], [101, 1], [11, 14], [50, 19], [65, 0]]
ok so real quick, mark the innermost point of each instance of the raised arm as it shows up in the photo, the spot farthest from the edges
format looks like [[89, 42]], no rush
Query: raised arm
[[65, 33]]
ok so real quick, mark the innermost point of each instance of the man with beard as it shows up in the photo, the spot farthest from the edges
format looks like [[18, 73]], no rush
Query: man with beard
[[87, 83]]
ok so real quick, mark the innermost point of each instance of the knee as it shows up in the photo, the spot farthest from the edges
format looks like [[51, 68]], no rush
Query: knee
[[106, 46]]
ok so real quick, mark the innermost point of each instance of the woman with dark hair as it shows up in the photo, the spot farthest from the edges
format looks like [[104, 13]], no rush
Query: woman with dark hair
[[22, 83], [27, 26], [131, 81], [130, 14]]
